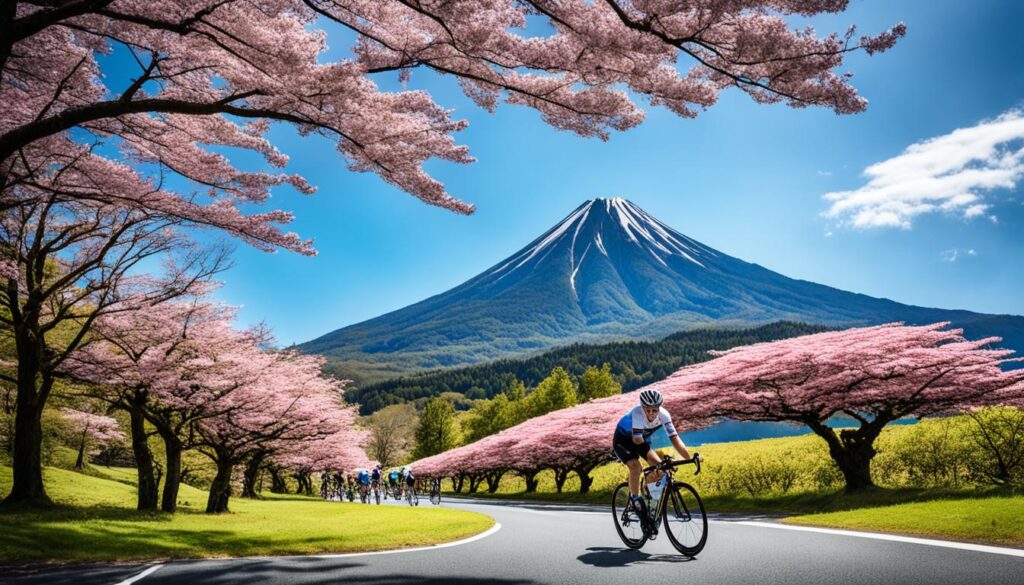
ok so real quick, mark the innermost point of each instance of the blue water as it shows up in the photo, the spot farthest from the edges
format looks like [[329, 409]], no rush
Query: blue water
[[728, 431]]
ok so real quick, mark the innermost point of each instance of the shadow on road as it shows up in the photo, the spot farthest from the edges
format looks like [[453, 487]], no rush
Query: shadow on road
[[623, 557], [298, 570]]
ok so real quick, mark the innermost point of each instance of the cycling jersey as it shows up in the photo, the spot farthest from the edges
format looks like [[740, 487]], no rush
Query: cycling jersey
[[363, 477], [635, 424], [410, 479], [394, 476], [376, 475]]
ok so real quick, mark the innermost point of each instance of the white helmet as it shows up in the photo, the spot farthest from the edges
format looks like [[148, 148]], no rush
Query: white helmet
[[650, 397]]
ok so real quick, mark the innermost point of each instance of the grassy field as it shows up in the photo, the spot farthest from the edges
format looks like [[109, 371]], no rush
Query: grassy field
[[95, 520], [794, 477], [996, 520]]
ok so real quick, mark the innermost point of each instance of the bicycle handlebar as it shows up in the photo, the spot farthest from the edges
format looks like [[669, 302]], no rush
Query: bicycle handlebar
[[668, 463]]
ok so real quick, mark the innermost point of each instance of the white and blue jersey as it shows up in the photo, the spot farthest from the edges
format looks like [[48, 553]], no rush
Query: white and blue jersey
[[363, 477], [635, 424]]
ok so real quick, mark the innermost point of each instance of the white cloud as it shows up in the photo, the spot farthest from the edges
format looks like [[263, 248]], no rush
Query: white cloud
[[824, 173], [949, 173], [953, 254]]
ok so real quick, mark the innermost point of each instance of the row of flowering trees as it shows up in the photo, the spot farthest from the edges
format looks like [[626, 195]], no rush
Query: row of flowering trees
[[566, 441], [181, 368], [845, 386]]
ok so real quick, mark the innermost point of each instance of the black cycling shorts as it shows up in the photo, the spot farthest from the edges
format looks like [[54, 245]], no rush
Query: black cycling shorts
[[626, 450]]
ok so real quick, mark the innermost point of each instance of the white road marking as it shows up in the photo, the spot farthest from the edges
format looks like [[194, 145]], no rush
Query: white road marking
[[485, 534], [141, 575], [1014, 552]]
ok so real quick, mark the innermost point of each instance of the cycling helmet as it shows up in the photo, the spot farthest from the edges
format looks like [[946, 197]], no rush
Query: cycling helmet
[[650, 397]]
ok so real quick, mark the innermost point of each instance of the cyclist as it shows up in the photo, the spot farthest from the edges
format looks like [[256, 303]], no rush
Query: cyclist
[[410, 480], [350, 487], [375, 480], [363, 479], [393, 482], [632, 439], [339, 485]]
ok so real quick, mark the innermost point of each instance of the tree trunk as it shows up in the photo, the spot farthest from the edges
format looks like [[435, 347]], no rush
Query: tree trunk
[[305, 484], [147, 484], [277, 483], [493, 481], [27, 465], [220, 489], [530, 477], [457, 485], [80, 461], [855, 462], [173, 448], [561, 474], [585, 480], [252, 471], [852, 450], [474, 482]]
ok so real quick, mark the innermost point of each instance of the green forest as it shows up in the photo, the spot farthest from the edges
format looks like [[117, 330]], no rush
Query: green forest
[[633, 364]]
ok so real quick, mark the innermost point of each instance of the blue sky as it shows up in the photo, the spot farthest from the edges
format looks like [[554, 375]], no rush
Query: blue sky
[[745, 179]]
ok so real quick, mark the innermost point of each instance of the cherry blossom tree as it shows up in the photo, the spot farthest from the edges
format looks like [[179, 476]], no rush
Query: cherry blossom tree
[[91, 432], [288, 400], [71, 262], [340, 450], [170, 365], [871, 376], [214, 73]]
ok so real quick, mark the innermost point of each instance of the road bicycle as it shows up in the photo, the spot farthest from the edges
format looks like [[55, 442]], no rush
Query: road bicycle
[[411, 496], [679, 507], [435, 491], [376, 493]]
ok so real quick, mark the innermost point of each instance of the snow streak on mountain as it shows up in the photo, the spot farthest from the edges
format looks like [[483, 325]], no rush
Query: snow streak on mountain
[[609, 270]]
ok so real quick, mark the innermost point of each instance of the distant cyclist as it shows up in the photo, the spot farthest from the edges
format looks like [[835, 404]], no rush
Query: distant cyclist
[[375, 476], [363, 484], [393, 482], [632, 439], [410, 480]]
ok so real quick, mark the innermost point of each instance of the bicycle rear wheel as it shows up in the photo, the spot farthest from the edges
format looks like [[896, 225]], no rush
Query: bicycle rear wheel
[[685, 520], [435, 498], [627, 519]]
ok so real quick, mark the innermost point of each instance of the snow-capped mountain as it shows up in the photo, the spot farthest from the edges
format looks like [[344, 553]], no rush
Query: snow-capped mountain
[[609, 270]]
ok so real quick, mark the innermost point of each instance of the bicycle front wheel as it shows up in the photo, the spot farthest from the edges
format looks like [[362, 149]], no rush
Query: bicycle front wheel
[[435, 498], [685, 520], [627, 519]]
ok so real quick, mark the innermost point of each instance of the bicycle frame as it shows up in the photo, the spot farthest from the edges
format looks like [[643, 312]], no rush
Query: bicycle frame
[[668, 467]]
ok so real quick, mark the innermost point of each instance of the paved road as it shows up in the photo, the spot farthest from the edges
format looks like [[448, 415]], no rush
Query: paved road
[[539, 544]]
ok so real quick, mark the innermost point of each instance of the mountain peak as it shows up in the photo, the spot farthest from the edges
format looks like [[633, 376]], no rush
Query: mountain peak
[[599, 224], [608, 270]]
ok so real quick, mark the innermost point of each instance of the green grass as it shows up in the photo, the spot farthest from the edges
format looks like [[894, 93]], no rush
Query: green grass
[[998, 520], [95, 520]]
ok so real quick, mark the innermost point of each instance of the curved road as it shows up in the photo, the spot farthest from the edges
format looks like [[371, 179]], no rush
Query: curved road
[[578, 545]]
